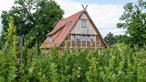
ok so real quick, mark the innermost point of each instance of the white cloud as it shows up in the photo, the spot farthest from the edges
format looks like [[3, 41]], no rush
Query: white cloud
[[69, 7], [105, 16], [5, 5]]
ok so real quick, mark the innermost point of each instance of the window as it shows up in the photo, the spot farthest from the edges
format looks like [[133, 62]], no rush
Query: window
[[83, 38], [93, 38], [84, 23], [50, 39], [67, 24], [88, 38], [78, 38], [72, 37]]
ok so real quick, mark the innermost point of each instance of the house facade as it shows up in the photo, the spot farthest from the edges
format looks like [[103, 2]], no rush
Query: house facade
[[75, 31]]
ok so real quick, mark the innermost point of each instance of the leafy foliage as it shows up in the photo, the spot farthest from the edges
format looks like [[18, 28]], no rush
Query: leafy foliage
[[112, 39], [116, 63], [32, 18], [134, 20], [8, 55]]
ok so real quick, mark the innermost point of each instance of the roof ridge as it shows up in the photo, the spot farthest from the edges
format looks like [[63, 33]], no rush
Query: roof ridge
[[56, 29], [61, 25], [66, 21], [73, 14]]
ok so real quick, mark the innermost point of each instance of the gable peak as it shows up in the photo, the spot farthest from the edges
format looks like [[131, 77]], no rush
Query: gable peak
[[84, 7]]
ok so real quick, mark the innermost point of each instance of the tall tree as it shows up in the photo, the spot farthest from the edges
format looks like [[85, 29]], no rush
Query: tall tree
[[113, 39], [110, 39], [134, 20], [33, 18]]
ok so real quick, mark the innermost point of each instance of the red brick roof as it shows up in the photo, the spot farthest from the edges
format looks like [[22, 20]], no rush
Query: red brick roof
[[64, 26]]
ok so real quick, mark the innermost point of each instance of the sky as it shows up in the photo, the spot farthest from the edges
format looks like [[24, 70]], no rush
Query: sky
[[104, 13]]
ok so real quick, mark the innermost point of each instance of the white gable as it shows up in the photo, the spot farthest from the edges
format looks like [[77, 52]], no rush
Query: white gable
[[89, 29]]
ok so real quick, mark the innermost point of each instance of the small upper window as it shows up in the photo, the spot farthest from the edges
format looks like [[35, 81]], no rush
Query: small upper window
[[50, 39], [67, 24], [84, 23]]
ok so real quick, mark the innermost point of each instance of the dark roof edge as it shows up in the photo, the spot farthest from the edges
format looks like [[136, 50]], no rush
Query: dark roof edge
[[56, 30], [71, 28], [95, 27]]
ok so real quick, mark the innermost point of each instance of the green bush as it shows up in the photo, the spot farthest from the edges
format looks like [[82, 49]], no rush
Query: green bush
[[8, 55], [116, 63]]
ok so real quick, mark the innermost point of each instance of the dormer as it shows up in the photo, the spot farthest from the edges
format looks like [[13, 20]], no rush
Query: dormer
[[50, 39]]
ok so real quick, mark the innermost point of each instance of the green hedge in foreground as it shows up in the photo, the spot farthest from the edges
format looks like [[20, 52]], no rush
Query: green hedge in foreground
[[117, 63]]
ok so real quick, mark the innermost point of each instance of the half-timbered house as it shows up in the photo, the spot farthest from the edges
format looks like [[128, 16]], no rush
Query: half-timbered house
[[77, 30]]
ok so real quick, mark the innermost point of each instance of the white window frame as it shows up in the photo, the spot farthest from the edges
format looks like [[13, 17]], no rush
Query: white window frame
[[83, 38], [78, 37], [88, 38], [72, 38], [50, 39], [93, 38], [84, 23]]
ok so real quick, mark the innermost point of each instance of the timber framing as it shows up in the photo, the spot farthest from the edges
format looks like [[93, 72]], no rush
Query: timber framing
[[70, 32]]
